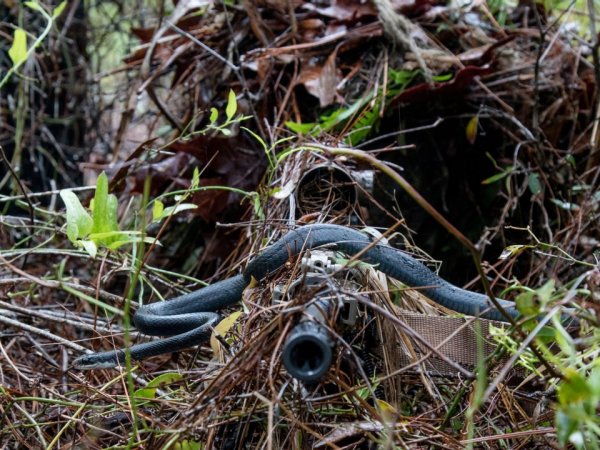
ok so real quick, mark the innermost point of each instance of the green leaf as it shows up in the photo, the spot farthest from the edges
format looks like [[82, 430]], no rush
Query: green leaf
[[79, 222], [231, 105], [100, 206], [567, 206], [574, 388], [565, 426], [59, 9], [545, 292], [362, 128], [172, 210], [196, 178], [18, 50], [514, 250], [105, 211], [34, 5], [157, 210], [110, 235], [258, 211], [263, 144], [90, 247], [214, 115], [526, 304], [300, 128], [137, 239], [401, 77], [442, 78], [113, 212], [533, 181], [150, 390], [258, 138], [564, 341], [471, 129], [187, 444], [594, 381], [498, 176]]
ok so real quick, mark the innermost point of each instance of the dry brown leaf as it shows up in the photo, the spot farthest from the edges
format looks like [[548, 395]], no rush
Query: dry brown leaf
[[321, 81]]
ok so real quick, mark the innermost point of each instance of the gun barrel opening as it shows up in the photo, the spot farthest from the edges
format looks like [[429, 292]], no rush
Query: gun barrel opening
[[307, 353]]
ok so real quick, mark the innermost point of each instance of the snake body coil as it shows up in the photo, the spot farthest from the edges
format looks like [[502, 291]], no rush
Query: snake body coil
[[188, 320]]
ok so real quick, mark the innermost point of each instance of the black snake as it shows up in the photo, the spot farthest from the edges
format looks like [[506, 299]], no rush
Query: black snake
[[188, 320]]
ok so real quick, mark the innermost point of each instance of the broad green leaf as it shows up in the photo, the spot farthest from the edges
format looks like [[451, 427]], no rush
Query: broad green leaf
[[34, 5], [18, 50], [231, 105], [562, 338], [112, 206], [214, 115], [79, 222], [526, 304], [157, 210], [545, 292], [72, 232], [168, 377], [150, 390], [59, 9], [574, 388], [578, 439], [104, 212], [90, 247], [100, 212]]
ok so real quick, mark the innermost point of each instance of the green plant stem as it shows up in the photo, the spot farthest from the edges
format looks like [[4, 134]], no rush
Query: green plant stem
[[126, 322], [37, 42]]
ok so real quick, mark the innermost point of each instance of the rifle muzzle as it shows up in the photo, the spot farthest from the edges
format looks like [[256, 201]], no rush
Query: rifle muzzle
[[308, 351]]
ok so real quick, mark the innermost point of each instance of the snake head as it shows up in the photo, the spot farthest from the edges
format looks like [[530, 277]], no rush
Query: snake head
[[102, 360]]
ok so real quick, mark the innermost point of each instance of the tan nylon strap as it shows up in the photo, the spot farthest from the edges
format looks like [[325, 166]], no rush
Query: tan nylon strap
[[456, 338]]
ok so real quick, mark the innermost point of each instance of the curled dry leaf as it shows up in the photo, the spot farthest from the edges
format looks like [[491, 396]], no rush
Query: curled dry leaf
[[321, 81]]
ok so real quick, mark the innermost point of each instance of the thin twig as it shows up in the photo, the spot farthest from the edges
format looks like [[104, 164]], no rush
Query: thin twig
[[22, 188]]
